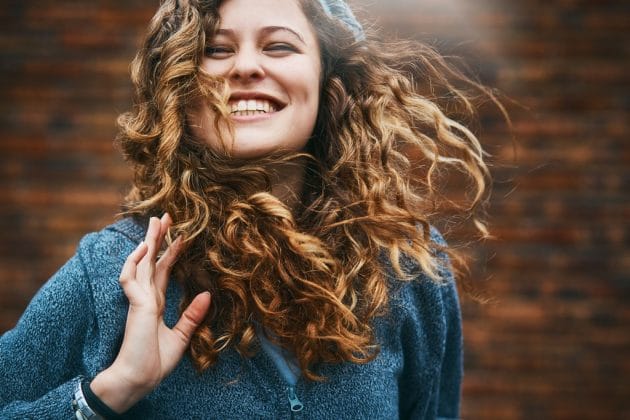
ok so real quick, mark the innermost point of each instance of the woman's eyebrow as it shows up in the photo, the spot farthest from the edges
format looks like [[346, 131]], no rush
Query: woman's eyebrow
[[230, 33], [270, 29], [226, 32]]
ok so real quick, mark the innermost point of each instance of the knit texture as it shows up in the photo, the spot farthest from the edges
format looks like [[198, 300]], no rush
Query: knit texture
[[74, 327]]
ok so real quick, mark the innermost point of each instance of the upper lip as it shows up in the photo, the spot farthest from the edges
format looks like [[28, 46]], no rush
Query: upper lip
[[238, 95]]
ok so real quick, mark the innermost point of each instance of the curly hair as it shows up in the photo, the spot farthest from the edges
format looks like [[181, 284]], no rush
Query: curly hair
[[312, 278]]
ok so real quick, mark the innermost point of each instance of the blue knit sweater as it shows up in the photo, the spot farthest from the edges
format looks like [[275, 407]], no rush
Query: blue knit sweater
[[75, 323]]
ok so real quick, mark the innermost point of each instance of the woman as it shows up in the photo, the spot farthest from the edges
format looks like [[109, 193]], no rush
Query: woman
[[293, 165]]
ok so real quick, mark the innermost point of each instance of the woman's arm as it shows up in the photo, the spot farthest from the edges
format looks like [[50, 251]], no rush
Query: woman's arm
[[41, 358], [449, 390], [432, 331]]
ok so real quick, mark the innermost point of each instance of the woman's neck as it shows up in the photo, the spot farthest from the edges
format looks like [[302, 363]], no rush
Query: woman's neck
[[287, 182]]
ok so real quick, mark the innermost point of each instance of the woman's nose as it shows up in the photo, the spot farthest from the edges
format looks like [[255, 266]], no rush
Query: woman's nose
[[247, 66]]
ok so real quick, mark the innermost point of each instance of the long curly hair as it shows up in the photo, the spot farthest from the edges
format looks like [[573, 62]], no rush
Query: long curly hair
[[313, 278]]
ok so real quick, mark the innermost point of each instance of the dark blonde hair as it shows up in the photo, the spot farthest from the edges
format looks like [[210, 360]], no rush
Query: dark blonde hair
[[312, 278]]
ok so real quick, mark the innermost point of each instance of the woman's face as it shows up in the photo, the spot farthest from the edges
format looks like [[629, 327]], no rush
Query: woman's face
[[269, 55]]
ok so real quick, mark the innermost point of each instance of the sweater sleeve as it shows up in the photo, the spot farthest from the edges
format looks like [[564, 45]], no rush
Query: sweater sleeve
[[41, 358], [448, 390], [432, 339]]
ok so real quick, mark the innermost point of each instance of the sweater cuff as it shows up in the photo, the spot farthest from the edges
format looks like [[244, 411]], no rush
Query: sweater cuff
[[96, 404]]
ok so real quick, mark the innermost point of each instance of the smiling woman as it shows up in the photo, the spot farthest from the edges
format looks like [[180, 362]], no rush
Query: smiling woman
[[295, 163], [269, 55]]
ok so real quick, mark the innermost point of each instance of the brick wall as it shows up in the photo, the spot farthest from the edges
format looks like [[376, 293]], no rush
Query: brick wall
[[555, 342]]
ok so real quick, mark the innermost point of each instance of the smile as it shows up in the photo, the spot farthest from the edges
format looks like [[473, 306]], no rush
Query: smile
[[244, 107]]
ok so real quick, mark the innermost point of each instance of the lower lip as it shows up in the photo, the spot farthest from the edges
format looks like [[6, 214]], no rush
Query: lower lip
[[253, 118]]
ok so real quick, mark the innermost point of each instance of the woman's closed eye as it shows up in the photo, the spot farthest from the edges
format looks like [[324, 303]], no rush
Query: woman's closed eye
[[280, 48], [219, 51]]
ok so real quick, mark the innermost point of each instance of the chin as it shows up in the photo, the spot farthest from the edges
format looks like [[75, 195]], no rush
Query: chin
[[252, 148]]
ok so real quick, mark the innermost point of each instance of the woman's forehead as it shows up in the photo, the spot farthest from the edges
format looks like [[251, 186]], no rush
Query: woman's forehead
[[264, 15], [255, 11]]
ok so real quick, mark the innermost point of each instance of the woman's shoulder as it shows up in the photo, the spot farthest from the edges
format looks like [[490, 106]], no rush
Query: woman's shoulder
[[107, 242], [133, 228], [99, 259], [423, 296], [106, 250], [424, 312]]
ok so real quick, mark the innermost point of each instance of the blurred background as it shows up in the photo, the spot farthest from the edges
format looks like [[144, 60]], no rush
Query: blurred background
[[555, 340]]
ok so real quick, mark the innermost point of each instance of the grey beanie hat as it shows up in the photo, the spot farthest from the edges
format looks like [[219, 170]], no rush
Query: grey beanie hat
[[340, 10]]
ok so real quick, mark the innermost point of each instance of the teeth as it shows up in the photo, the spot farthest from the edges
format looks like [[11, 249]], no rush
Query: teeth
[[251, 107], [242, 113]]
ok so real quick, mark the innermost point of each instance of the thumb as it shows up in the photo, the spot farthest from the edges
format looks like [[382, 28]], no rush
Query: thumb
[[192, 317]]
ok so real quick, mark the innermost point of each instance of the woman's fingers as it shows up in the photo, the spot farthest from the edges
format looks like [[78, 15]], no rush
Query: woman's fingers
[[155, 234], [128, 271], [138, 275], [166, 262], [192, 317], [131, 263], [165, 224], [153, 238], [168, 258]]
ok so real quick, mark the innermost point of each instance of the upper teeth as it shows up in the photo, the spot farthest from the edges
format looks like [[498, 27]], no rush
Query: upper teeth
[[251, 105]]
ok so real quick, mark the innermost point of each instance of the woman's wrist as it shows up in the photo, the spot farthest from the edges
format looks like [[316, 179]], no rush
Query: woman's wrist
[[115, 391], [96, 404]]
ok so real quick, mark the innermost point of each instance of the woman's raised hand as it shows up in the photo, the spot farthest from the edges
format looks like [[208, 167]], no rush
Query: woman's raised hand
[[150, 350]]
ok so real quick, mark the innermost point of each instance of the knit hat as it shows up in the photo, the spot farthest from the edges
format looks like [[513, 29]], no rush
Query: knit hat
[[340, 10]]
